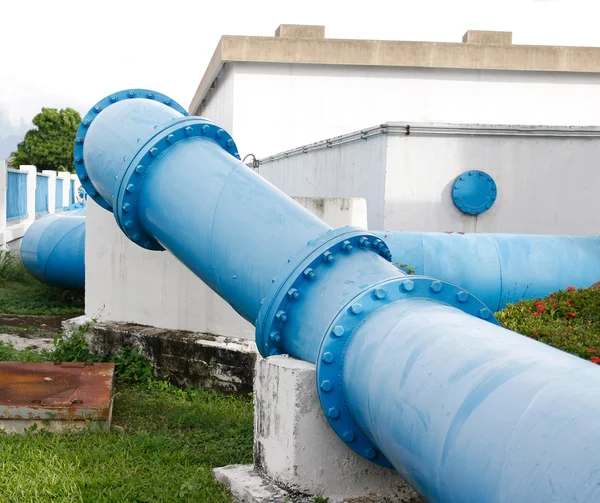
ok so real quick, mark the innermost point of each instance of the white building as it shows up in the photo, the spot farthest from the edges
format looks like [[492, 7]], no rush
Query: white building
[[545, 177], [298, 87]]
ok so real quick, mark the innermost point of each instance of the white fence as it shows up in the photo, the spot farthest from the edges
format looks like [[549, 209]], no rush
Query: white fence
[[26, 195]]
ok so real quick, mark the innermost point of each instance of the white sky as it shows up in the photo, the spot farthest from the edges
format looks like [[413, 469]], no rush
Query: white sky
[[73, 53]]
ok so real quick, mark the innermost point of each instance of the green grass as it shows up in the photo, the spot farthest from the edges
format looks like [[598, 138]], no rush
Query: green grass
[[21, 293], [162, 447], [169, 442], [10, 354]]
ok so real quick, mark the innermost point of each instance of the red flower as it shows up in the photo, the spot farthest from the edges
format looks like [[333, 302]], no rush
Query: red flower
[[595, 359], [535, 313], [570, 315], [590, 350], [571, 289]]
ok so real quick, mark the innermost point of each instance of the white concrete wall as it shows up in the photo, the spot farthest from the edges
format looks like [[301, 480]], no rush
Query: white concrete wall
[[353, 170], [281, 106], [127, 283], [220, 107], [546, 185]]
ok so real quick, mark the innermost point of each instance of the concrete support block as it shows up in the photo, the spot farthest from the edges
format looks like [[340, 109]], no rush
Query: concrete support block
[[51, 190], [300, 31], [66, 178], [295, 447], [487, 37]]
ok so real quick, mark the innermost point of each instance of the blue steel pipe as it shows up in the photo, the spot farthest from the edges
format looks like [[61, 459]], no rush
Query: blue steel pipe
[[53, 248], [499, 268], [397, 356]]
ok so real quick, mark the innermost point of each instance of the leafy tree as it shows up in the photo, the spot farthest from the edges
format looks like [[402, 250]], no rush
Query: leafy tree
[[49, 145]]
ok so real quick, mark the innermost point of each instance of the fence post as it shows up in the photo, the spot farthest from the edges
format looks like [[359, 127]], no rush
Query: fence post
[[51, 190], [66, 178], [31, 185], [3, 186]]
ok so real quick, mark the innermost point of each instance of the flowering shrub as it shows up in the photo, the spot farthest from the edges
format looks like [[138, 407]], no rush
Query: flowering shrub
[[568, 320]]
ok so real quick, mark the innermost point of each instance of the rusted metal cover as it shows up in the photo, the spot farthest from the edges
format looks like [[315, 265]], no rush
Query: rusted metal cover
[[73, 392]]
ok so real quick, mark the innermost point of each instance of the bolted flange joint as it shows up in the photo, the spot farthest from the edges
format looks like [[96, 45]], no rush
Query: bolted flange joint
[[330, 362], [78, 154], [128, 193], [302, 276]]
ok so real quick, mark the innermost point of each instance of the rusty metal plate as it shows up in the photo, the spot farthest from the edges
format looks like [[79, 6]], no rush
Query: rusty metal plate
[[56, 391]]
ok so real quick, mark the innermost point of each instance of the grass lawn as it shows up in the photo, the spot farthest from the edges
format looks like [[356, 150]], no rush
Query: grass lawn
[[164, 441], [21, 293], [162, 447]]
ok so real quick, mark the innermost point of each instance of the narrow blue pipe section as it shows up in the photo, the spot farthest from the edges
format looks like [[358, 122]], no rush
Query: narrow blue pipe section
[[499, 268], [412, 371], [53, 249], [240, 231], [469, 415]]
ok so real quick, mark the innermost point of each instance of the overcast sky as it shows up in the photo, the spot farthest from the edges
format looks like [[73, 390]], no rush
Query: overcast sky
[[72, 53]]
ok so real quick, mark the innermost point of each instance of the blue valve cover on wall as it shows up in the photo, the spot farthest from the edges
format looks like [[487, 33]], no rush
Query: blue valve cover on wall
[[474, 192]]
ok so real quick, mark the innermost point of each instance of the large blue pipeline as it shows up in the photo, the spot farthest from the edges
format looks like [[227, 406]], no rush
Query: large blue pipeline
[[53, 248], [496, 268], [412, 372], [499, 268]]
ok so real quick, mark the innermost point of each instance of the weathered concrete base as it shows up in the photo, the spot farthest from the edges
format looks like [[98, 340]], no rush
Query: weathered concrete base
[[249, 486], [296, 450], [225, 364]]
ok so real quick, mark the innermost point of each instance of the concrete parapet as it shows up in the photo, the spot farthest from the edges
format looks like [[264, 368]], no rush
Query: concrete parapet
[[225, 364]]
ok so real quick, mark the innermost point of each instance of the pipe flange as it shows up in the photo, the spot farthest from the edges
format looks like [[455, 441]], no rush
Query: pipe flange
[[126, 206], [330, 363], [474, 192], [89, 118], [270, 324]]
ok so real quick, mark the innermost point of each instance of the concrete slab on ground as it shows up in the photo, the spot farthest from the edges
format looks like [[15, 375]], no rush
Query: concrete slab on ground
[[20, 342]]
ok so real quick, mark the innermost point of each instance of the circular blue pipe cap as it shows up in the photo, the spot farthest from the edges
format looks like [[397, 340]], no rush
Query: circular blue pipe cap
[[474, 192]]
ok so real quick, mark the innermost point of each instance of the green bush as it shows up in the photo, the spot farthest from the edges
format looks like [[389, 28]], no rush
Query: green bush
[[130, 366], [568, 320]]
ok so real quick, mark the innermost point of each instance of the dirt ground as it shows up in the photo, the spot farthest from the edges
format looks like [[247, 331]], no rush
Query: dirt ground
[[36, 325]]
